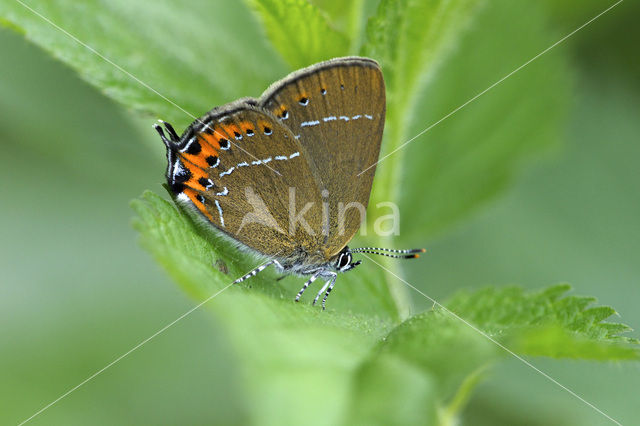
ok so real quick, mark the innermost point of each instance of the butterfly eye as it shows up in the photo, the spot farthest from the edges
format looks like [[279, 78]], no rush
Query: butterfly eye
[[344, 260]]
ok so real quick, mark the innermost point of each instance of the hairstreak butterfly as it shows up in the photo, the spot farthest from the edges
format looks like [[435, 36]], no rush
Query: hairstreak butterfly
[[281, 175]]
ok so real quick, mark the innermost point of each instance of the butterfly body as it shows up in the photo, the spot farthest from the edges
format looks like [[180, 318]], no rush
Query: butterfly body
[[281, 175]]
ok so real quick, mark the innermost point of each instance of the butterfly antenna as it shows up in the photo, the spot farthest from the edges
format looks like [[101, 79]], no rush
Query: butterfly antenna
[[402, 254], [357, 249]]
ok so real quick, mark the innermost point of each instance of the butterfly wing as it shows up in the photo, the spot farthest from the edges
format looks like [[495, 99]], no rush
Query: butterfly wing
[[236, 166], [336, 110]]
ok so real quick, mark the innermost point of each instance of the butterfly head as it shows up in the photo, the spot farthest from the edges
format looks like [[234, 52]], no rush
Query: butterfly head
[[344, 258]]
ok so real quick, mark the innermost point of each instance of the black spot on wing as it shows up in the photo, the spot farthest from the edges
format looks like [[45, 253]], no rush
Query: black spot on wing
[[194, 148]]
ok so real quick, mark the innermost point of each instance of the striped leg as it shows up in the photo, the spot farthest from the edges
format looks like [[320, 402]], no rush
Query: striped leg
[[257, 270], [307, 284], [328, 286], [324, 299]]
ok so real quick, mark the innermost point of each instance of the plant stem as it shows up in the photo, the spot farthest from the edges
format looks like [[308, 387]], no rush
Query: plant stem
[[388, 185]]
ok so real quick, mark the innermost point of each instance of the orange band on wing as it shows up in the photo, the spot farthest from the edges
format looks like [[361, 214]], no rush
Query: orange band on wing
[[232, 130], [199, 179], [193, 196], [200, 159], [265, 126], [247, 127], [212, 140]]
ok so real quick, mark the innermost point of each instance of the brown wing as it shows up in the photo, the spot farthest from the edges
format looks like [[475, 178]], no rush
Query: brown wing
[[336, 109], [237, 166]]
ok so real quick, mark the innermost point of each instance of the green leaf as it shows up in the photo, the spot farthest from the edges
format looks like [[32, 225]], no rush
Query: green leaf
[[471, 156], [410, 38], [557, 342], [347, 17], [300, 32], [291, 353], [431, 362], [426, 364], [546, 323], [208, 62], [388, 390]]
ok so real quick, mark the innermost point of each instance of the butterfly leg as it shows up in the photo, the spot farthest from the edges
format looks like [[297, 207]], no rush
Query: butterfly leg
[[304, 287], [328, 286], [258, 270]]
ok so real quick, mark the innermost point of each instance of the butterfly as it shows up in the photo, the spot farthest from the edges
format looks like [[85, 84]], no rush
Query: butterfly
[[287, 176]]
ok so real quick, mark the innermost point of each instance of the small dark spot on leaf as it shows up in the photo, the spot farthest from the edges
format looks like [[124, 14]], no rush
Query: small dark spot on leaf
[[221, 266]]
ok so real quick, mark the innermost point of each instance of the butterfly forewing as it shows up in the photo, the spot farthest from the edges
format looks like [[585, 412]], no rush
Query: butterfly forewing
[[336, 110], [237, 166]]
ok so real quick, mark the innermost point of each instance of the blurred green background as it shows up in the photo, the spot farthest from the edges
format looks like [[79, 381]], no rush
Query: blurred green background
[[76, 291]]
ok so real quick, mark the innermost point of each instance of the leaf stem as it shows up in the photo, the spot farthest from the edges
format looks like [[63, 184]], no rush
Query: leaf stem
[[449, 414]]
